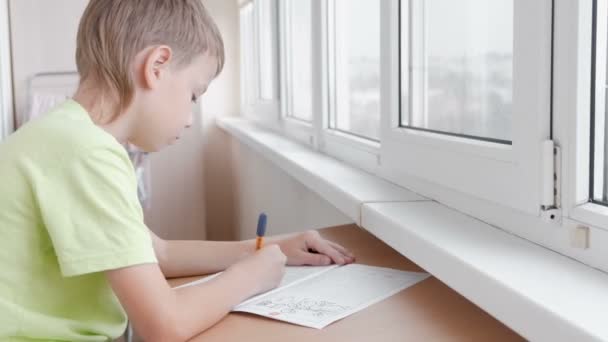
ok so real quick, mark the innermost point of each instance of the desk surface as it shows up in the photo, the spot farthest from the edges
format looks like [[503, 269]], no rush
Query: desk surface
[[427, 311]]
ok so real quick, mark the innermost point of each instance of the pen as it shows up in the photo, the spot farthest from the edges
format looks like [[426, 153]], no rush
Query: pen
[[259, 241]]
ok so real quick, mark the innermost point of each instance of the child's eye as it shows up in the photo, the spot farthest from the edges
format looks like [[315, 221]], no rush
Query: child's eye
[[194, 98]]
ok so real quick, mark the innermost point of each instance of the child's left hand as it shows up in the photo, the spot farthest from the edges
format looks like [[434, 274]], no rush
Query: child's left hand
[[310, 248]]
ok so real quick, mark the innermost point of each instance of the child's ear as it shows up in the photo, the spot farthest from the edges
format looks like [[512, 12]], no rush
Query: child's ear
[[156, 65]]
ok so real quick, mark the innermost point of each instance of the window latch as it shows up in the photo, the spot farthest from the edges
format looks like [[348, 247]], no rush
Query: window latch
[[550, 209]]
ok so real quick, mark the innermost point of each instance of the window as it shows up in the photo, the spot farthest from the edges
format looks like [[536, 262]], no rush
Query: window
[[259, 60], [456, 94], [266, 20], [468, 99], [453, 93], [354, 67], [297, 49], [599, 125], [458, 75], [247, 54], [458, 100], [580, 112]]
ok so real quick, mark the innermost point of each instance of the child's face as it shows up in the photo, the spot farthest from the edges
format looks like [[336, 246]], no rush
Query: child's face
[[165, 109]]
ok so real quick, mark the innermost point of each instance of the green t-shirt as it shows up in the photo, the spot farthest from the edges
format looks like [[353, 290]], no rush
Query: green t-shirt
[[68, 211]]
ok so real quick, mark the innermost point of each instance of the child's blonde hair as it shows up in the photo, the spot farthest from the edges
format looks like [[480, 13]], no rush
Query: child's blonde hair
[[112, 32]]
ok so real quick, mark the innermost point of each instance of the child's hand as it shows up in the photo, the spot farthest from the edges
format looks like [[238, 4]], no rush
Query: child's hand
[[309, 248], [264, 269]]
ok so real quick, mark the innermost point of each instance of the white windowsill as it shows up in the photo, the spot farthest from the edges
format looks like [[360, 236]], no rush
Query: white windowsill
[[540, 294]]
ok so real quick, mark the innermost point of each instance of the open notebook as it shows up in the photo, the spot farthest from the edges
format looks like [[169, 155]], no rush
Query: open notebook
[[318, 296]]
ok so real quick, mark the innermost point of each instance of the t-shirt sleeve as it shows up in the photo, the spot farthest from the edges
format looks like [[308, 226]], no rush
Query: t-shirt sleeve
[[91, 211]]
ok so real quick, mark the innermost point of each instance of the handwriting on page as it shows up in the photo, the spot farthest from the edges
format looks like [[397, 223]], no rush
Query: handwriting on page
[[301, 306]]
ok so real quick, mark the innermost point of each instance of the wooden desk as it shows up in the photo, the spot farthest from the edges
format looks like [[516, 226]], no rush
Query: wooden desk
[[427, 311]]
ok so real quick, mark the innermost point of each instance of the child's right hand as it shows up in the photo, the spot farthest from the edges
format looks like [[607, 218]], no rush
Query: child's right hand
[[264, 269]]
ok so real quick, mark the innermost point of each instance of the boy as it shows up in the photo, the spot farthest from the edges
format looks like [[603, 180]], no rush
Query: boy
[[74, 250]]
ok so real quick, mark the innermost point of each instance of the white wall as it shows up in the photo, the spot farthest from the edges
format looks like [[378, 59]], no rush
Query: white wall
[[43, 38], [290, 206]]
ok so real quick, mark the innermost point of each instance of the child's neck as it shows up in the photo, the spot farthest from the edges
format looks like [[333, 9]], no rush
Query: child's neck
[[98, 108]]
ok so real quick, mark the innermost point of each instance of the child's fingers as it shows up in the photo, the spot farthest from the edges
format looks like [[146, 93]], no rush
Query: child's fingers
[[348, 257], [305, 258], [346, 253], [321, 246], [341, 249]]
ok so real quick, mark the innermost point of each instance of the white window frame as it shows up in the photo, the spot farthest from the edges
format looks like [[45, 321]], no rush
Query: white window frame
[[297, 129], [6, 93], [358, 151], [265, 111], [273, 48], [508, 175], [247, 56], [572, 107]]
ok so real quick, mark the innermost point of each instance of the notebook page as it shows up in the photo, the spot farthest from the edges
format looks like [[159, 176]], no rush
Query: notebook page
[[333, 295]]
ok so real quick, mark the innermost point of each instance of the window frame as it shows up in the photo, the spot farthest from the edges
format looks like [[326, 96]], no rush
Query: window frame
[[254, 107], [248, 84], [299, 130], [507, 175], [598, 95], [355, 150], [416, 94], [573, 106], [273, 48]]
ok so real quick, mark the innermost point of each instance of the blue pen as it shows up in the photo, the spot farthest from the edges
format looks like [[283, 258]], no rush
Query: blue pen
[[259, 241]]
